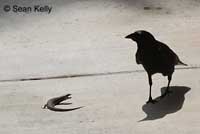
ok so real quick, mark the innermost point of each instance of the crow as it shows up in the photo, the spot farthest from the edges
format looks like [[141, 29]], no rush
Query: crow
[[155, 57]]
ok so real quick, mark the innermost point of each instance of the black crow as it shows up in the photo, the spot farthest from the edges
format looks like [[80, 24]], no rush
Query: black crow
[[155, 56]]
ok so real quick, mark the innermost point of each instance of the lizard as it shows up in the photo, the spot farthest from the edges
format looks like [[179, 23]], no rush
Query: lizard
[[51, 103]]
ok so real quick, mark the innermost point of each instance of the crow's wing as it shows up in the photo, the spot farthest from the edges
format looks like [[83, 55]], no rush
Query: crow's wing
[[167, 55]]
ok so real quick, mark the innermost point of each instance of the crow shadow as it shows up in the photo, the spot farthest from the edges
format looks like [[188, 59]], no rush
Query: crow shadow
[[167, 105]]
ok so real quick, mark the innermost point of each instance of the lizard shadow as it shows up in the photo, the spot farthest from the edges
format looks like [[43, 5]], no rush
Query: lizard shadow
[[167, 105]]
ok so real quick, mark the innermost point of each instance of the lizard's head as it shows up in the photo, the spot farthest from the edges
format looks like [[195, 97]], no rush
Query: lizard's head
[[67, 96]]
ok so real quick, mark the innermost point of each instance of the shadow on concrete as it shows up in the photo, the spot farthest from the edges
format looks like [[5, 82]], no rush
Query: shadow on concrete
[[167, 105]]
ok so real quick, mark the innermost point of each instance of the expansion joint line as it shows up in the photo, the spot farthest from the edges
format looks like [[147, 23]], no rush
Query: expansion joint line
[[91, 74]]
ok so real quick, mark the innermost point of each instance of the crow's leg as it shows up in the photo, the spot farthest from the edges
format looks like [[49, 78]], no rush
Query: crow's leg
[[167, 90], [169, 80], [150, 85]]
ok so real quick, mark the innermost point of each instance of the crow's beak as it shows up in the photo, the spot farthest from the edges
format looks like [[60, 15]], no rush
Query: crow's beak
[[128, 37]]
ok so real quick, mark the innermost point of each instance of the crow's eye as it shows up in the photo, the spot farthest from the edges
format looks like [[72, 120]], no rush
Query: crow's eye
[[139, 32]]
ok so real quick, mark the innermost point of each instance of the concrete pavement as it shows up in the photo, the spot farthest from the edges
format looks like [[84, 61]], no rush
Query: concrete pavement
[[81, 37]]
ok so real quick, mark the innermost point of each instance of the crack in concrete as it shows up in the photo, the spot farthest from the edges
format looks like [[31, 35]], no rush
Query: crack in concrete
[[88, 75]]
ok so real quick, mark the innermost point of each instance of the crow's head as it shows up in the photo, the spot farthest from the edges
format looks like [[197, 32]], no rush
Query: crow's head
[[141, 36]]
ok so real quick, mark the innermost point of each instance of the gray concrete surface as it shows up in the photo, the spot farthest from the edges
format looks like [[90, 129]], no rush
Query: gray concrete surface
[[87, 36]]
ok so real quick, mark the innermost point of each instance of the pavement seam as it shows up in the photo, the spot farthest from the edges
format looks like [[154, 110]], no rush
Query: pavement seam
[[89, 75]]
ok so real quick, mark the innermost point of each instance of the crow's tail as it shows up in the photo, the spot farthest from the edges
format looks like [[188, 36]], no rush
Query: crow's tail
[[181, 63], [178, 61]]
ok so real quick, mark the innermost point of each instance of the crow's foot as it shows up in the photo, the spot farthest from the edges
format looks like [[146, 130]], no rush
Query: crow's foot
[[151, 101]]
